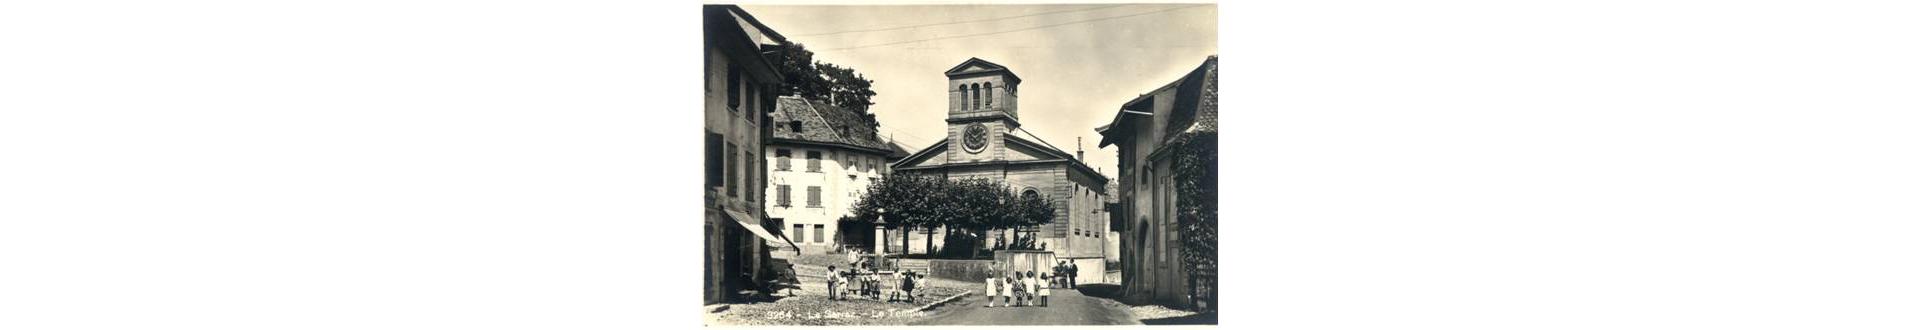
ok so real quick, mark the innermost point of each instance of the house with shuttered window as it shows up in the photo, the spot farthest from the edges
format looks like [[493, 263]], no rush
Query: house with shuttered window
[[739, 86], [1144, 133], [823, 159]]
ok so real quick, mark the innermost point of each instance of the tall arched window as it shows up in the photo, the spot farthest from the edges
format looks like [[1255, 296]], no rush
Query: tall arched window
[[989, 97], [976, 97], [966, 96]]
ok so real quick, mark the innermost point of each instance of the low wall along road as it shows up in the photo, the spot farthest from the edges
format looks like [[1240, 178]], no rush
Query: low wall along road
[[960, 270]]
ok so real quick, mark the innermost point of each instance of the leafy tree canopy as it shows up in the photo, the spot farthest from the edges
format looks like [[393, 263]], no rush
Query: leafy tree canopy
[[817, 80]]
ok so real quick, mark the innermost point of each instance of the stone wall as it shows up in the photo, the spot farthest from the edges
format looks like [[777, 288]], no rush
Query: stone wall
[[960, 270]]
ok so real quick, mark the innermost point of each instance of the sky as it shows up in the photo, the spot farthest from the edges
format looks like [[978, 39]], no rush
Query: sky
[[1077, 63]]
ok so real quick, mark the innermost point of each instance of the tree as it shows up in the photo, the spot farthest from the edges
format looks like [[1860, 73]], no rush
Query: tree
[[841, 86], [905, 198], [969, 207], [1029, 211]]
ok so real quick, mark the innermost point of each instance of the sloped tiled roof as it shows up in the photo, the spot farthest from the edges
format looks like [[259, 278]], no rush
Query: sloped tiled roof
[[1210, 102], [898, 151], [1195, 103], [1207, 114], [824, 123], [1190, 91], [1021, 134]]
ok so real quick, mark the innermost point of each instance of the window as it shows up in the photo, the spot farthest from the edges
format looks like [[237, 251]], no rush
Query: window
[[783, 159], [813, 196], [716, 170], [733, 171], [747, 165], [753, 102], [733, 87], [799, 233], [975, 99], [794, 126], [813, 161], [989, 96], [819, 233], [783, 196]]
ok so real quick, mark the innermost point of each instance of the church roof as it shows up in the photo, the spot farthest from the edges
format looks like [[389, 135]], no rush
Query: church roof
[[984, 66], [1016, 136], [822, 123], [1022, 135]]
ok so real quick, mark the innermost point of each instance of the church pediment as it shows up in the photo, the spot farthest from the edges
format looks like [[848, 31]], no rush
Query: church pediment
[[973, 65], [978, 66]]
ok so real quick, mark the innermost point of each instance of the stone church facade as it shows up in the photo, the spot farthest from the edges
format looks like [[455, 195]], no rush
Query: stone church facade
[[985, 140]]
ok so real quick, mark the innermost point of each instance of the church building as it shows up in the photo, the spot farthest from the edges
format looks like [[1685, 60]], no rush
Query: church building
[[985, 140]]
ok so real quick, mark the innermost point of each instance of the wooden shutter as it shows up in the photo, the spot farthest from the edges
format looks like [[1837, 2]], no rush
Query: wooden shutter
[[733, 173], [715, 162], [747, 164]]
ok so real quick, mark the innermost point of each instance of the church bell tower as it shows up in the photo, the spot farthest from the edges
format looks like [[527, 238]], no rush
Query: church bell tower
[[982, 105]]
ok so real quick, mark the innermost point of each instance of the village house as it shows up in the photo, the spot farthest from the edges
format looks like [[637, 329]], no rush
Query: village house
[[985, 140], [1152, 264], [739, 87], [823, 157]]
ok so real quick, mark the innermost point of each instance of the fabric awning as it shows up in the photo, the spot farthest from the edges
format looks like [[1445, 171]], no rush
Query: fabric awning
[[740, 219]]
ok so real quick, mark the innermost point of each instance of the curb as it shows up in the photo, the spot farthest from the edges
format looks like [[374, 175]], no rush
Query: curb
[[936, 303]]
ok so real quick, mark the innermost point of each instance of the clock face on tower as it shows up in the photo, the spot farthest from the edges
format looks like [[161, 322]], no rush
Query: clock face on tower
[[974, 137]]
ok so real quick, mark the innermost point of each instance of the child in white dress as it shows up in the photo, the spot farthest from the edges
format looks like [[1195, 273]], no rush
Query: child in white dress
[[992, 288], [1045, 291], [1006, 290], [1032, 286]]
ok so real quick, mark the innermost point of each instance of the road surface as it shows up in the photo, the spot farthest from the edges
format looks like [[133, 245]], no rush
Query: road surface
[[1068, 307]]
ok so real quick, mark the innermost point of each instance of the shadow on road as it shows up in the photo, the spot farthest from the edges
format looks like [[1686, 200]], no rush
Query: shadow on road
[[1208, 318], [1112, 292], [1108, 291]]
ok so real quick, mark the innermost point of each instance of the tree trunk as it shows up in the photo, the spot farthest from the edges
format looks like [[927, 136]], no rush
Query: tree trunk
[[930, 242], [979, 239], [906, 246]]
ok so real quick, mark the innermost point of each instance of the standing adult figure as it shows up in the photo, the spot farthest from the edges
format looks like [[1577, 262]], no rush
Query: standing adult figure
[[1073, 276]]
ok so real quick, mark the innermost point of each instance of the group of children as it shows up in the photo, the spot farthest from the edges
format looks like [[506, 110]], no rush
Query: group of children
[[869, 285], [1019, 289]]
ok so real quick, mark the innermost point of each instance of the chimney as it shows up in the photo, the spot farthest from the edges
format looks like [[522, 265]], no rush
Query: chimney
[[1078, 153]]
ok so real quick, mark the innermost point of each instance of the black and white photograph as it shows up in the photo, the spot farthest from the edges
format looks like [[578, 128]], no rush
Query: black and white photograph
[[1389, 165], [961, 164]]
